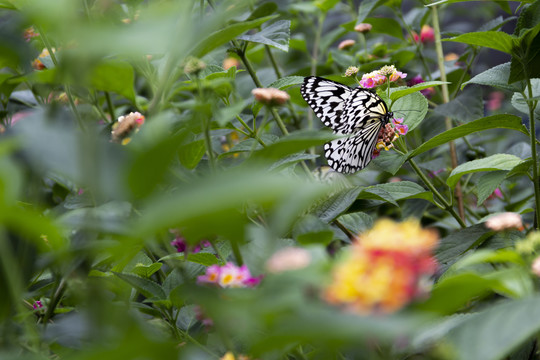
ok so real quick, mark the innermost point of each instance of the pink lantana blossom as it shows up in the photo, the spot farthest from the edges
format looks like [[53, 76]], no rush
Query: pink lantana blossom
[[381, 76], [229, 276], [399, 126]]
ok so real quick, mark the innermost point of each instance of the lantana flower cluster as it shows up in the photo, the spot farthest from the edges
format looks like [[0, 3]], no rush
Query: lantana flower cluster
[[389, 134], [387, 73], [181, 244], [229, 276], [126, 126], [384, 269]]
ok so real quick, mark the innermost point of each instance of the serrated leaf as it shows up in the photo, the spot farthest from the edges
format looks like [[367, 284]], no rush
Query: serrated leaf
[[146, 271], [497, 77], [404, 190], [276, 35], [492, 39], [146, 287], [465, 107], [338, 203], [490, 163], [291, 160], [487, 184], [287, 81], [504, 121], [377, 193], [312, 230], [400, 92], [453, 246], [357, 222]]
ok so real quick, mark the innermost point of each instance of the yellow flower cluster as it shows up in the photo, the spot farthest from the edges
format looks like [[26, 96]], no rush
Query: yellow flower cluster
[[383, 269]]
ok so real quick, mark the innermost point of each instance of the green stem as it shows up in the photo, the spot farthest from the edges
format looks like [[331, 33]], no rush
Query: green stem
[[532, 130], [237, 253], [446, 99], [55, 300], [110, 106], [66, 86], [447, 206]]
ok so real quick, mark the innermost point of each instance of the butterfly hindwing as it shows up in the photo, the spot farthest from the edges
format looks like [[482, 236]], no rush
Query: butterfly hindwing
[[358, 113], [327, 99], [348, 155]]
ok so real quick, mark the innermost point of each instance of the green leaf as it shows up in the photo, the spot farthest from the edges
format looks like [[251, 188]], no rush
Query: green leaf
[[336, 204], [290, 160], [225, 35], [287, 81], [387, 26], [276, 35], [520, 103], [453, 292], [265, 9], [146, 287], [376, 193], [326, 5], [487, 184], [365, 8], [312, 230], [402, 190], [503, 121], [492, 39], [396, 93], [497, 77], [466, 107], [146, 271], [114, 76], [493, 162], [495, 332], [413, 107], [191, 153], [390, 161], [226, 114], [203, 258], [293, 143], [453, 246], [357, 222]]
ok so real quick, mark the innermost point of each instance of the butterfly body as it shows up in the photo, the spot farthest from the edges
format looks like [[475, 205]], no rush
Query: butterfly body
[[357, 113]]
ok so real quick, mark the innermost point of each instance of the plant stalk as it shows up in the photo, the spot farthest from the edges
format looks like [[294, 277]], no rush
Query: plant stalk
[[446, 99], [534, 153]]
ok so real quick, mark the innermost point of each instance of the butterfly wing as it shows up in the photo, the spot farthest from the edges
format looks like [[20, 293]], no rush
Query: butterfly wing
[[359, 113], [327, 99], [349, 155]]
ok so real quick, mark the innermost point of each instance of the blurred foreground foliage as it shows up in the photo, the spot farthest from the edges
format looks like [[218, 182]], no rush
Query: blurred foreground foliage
[[86, 220]]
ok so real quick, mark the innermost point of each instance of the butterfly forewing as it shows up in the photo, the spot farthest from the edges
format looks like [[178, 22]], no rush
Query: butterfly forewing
[[358, 113], [327, 99]]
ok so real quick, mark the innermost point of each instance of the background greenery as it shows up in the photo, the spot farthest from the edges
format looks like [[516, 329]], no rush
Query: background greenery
[[84, 222]]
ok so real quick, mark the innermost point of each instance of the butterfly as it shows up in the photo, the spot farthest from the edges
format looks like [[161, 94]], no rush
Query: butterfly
[[358, 113]]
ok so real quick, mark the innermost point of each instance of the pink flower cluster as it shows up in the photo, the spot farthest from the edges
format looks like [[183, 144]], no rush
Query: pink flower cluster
[[427, 35], [389, 134], [399, 126], [229, 276], [381, 76]]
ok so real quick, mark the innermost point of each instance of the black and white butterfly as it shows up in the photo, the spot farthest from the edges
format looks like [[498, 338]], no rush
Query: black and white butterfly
[[358, 113]]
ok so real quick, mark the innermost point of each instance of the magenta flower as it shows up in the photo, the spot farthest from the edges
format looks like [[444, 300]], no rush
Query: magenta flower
[[37, 305], [179, 243], [229, 276]]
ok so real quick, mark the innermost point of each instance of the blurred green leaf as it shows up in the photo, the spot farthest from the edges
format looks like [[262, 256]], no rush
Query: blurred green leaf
[[490, 163], [202, 258], [311, 230], [496, 331], [228, 33], [146, 271], [366, 8], [336, 204], [114, 76], [399, 191], [326, 5], [190, 153], [504, 121], [387, 26], [276, 34], [453, 246], [146, 287]]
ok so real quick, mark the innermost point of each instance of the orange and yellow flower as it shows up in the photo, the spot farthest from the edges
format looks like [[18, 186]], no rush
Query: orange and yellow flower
[[383, 270]]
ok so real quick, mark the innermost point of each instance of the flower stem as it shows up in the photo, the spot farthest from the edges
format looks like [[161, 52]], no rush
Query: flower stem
[[110, 106], [532, 131], [446, 99], [447, 206]]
